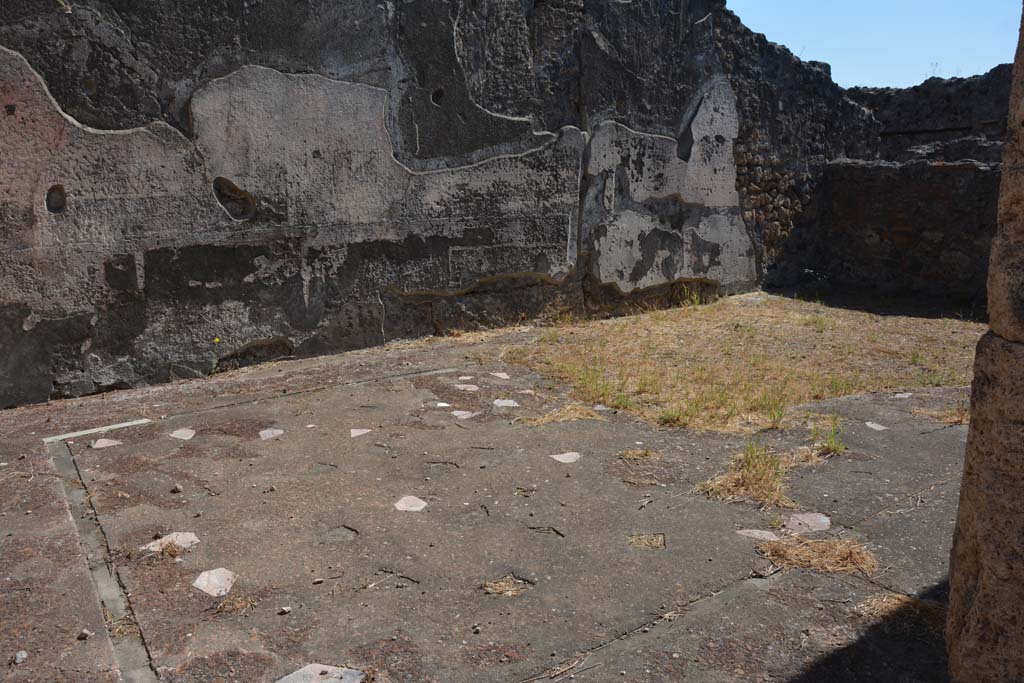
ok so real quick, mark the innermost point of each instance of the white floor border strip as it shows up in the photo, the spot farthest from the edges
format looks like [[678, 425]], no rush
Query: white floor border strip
[[96, 430]]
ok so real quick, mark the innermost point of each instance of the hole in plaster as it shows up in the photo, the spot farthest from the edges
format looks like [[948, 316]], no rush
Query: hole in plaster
[[10, 109], [685, 146], [720, 139], [56, 199], [239, 204], [437, 96]]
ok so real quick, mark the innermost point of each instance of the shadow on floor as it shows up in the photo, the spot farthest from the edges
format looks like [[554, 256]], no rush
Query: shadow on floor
[[886, 303], [899, 649]]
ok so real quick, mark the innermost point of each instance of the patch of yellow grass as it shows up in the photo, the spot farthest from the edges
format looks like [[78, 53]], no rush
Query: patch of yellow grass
[[833, 556], [729, 365], [757, 474], [896, 609], [567, 413]]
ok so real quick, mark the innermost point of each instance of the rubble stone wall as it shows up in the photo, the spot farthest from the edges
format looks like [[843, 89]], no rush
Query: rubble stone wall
[[940, 110], [919, 216]]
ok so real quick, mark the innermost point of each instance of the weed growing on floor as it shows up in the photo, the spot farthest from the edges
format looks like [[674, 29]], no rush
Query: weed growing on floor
[[636, 466], [692, 297], [549, 336], [960, 414], [828, 442], [236, 604], [171, 550], [673, 416]]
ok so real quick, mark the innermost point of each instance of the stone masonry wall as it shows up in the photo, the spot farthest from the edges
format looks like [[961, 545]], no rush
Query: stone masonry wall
[[191, 185]]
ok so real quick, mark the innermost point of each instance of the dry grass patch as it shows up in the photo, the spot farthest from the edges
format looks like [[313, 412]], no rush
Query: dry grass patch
[[171, 550], [648, 541], [568, 413], [757, 475], [122, 627], [236, 604], [641, 479], [960, 414], [833, 556], [904, 611], [508, 586], [640, 454], [640, 467], [733, 365]]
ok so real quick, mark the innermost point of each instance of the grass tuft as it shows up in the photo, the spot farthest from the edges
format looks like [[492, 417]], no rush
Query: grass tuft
[[828, 442], [757, 474]]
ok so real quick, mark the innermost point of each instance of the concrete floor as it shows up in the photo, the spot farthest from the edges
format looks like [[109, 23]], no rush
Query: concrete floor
[[330, 572]]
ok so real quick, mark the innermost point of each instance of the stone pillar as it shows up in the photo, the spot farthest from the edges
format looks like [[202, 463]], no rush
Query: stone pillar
[[985, 632]]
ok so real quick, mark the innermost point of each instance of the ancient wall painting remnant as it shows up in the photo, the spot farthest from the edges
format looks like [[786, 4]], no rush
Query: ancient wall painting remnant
[[289, 214]]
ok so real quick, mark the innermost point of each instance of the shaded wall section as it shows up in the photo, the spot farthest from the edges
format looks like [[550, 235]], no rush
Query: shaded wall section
[[913, 228], [919, 218]]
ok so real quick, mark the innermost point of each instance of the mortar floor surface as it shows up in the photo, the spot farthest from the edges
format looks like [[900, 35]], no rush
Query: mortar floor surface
[[520, 567]]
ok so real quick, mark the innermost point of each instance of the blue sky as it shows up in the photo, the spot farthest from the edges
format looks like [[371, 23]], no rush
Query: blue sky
[[890, 42]]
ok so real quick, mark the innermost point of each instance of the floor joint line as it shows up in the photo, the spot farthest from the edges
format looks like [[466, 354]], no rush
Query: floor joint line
[[131, 652]]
